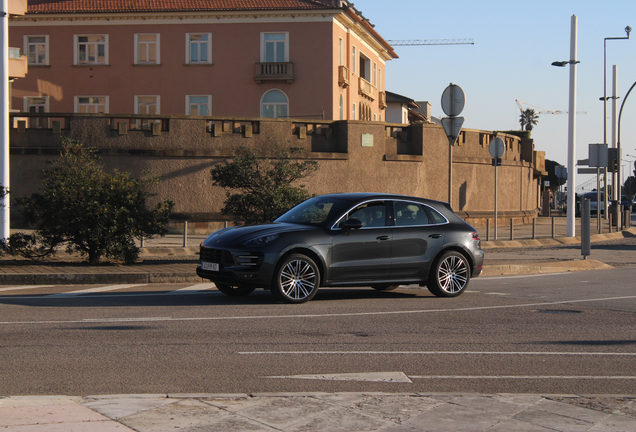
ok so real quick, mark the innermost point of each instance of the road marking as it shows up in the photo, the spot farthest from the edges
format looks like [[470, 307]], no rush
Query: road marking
[[388, 377], [480, 278], [329, 316], [192, 289], [550, 377], [118, 320], [25, 287], [463, 353], [94, 290]]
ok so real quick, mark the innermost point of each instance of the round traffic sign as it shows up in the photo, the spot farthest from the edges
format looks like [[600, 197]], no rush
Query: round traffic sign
[[453, 100], [497, 147]]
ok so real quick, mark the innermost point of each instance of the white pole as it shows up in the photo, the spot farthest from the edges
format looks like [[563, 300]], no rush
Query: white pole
[[571, 231], [4, 117]]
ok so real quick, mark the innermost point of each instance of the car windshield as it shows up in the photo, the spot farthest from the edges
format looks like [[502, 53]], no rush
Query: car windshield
[[315, 211]]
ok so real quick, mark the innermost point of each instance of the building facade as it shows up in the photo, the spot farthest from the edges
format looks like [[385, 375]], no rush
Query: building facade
[[267, 58]]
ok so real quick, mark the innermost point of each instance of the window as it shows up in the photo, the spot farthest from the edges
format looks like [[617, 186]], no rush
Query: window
[[341, 107], [91, 104], [353, 112], [354, 60], [375, 117], [371, 214], [37, 49], [365, 67], [274, 104], [274, 47], [36, 104], [91, 49], [410, 214], [146, 105], [198, 105], [199, 48], [147, 48], [380, 79], [375, 74], [341, 51]]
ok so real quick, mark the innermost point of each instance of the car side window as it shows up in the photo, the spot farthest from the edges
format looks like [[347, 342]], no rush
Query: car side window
[[410, 214], [371, 214], [435, 217]]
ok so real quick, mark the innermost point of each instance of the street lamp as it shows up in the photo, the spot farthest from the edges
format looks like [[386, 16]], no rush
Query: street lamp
[[615, 176], [618, 146], [571, 126]]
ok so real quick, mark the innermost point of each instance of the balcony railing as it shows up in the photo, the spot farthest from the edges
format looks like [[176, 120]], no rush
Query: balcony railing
[[343, 76], [366, 89], [274, 72]]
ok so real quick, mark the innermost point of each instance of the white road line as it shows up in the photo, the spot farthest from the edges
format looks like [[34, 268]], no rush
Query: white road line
[[25, 287], [463, 353], [193, 289], [550, 377], [329, 316], [94, 290]]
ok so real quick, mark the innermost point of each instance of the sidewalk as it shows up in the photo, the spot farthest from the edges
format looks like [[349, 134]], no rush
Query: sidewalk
[[320, 412]]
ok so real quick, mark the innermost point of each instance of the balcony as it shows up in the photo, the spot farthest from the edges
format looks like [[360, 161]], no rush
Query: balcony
[[17, 7], [343, 76], [366, 89], [383, 100], [17, 64], [274, 72]]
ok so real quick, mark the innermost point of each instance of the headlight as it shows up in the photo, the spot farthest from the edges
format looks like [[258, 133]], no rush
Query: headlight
[[261, 241]]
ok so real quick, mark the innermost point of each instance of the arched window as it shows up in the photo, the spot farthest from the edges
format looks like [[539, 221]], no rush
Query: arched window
[[341, 107], [274, 104]]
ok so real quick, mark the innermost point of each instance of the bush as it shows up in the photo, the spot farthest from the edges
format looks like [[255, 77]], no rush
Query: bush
[[263, 184], [90, 211]]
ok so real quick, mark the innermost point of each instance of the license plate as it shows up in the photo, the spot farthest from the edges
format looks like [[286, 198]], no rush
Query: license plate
[[210, 266]]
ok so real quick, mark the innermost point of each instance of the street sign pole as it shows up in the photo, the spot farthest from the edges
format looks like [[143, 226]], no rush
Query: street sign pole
[[497, 149], [453, 100]]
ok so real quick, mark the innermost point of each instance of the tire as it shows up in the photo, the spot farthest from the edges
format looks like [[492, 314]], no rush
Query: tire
[[296, 279], [450, 275], [234, 290], [384, 287]]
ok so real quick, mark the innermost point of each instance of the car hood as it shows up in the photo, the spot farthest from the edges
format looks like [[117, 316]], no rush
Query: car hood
[[238, 235]]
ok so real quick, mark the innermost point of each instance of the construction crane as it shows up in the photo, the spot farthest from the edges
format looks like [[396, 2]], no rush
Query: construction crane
[[431, 42], [543, 110]]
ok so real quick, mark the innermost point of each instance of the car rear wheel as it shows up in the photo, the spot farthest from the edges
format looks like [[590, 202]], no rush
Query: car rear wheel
[[384, 287], [234, 290], [296, 280], [450, 275]]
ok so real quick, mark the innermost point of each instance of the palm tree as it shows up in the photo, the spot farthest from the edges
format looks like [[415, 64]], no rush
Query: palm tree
[[528, 119]]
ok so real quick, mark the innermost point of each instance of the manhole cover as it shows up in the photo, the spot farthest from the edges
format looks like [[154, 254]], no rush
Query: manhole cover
[[559, 311]]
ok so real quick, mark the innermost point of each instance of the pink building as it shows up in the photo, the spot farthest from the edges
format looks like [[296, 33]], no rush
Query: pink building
[[241, 58]]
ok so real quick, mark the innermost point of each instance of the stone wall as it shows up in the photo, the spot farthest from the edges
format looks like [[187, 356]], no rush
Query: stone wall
[[353, 156]]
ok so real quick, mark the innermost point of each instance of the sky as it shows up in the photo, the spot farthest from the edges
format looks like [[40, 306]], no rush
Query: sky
[[514, 45]]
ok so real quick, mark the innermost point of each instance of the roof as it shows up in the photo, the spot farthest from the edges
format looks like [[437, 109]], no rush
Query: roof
[[97, 6], [394, 97]]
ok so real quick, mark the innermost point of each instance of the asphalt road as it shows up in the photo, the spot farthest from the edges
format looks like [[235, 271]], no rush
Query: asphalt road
[[565, 333]]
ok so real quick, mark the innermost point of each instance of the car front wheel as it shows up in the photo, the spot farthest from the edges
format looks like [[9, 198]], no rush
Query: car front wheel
[[234, 290], [450, 275], [296, 280]]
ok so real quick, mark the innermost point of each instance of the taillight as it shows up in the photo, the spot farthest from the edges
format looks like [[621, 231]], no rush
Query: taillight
[[475, 236]]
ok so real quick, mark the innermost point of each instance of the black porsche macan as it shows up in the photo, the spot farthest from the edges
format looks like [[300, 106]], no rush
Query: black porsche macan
[[345, 240]]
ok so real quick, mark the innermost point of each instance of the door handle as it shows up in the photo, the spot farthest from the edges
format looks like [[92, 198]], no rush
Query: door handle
[[383, 238], [435, 235]]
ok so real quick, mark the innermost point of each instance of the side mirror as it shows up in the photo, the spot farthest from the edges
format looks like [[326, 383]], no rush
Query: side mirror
[[352, 223]]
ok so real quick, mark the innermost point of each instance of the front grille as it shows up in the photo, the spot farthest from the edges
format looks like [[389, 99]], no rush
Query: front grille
[[216, 256]]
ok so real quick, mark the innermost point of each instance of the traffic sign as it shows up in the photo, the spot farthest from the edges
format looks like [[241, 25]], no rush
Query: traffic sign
[[453, 100], [452, 127], [497, 147]]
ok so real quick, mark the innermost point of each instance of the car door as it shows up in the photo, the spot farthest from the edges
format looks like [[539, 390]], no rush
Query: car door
[[417, 236], [362, 254]]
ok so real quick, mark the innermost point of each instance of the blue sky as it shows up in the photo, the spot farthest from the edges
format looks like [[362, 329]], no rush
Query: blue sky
[[515, 44]]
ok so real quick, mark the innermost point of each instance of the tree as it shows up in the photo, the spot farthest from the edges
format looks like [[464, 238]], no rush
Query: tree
[[260, 188], [555, 182], [89, 210], [528, 119]]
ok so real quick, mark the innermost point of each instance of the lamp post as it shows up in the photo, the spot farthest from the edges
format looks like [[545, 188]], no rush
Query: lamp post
[[571, 126], [615, 176], [618, 146]]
